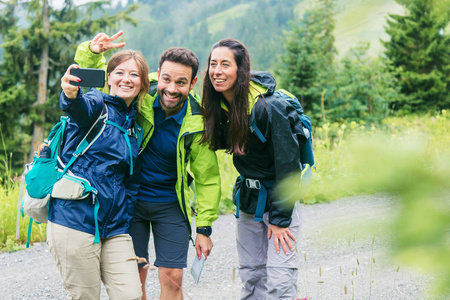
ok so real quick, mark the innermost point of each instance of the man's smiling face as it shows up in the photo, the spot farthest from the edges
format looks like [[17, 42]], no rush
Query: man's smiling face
[[174, 85]]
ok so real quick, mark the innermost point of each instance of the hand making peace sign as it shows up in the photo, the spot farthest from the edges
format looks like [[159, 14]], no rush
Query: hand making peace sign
[[102, 42]]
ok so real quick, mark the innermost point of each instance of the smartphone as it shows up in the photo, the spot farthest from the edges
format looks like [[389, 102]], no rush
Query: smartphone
[[89, 77], [197, 267]]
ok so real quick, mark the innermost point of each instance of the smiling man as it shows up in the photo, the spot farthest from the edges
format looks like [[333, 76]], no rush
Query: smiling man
[[175, 81], [173, 126]]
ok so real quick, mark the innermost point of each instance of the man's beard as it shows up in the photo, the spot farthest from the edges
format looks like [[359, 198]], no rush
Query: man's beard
[[171, 105]]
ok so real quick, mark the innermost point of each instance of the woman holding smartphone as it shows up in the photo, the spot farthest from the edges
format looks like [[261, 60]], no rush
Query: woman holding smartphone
[[89, 238]]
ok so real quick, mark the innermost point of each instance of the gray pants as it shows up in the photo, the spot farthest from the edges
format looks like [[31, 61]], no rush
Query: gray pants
[[264, 273]]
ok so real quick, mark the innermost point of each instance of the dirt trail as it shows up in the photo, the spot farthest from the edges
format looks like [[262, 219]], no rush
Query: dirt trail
[[343, 248]]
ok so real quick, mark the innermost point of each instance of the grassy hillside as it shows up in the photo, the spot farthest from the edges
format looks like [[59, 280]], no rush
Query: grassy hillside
[[359, 20], [217, 22]]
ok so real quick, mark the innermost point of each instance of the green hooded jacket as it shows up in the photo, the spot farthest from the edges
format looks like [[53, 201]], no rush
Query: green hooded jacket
[[199, 158]]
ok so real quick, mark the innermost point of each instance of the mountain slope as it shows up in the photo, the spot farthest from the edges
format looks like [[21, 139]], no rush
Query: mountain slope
[[359, 21]]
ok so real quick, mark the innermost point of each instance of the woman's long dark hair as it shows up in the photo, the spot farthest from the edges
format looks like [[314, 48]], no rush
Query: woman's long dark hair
[[238, 121]]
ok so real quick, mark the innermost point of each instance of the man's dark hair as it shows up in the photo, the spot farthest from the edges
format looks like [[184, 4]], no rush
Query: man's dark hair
[[181, 55]]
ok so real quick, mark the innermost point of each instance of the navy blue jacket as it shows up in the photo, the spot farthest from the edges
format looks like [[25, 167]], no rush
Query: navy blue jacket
[[106, 165]]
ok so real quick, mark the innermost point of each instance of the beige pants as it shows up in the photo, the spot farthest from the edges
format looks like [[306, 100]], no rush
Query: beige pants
[[83, 264]]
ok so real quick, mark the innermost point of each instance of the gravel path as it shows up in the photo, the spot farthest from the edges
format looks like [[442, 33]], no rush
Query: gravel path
[[337, 246]]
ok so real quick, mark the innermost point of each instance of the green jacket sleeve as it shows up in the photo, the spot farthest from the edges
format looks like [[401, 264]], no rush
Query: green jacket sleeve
[[205, 168], [85, 58]]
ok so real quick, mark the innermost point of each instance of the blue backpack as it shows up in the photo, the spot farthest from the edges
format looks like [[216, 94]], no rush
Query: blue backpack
[[306, 152]]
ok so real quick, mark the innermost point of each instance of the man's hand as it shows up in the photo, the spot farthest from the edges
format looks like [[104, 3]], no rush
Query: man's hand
[[283, 236], [71, 91], [203, 244], [102, 42]]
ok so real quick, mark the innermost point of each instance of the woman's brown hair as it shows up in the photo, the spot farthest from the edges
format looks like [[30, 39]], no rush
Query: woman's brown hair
[[237, 132]]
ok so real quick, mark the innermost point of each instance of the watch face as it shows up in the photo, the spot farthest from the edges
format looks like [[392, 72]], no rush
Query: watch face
[[206, 230]]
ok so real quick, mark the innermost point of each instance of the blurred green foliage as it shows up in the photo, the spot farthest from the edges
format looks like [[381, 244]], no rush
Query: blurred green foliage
[[199, 24], [408, 157]]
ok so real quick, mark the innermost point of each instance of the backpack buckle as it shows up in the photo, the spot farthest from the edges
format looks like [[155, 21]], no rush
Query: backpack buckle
[[252, 183]]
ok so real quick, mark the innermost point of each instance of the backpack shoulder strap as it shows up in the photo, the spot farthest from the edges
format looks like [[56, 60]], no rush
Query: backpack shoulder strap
[[91, 136], [153, 77], [139, 132], [152, 89], [94, 132], [55, 139], [254, 128]]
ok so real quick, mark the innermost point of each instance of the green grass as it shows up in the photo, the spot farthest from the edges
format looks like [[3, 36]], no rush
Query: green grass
[[9, 195], [408, 157], [336, 149], [9, 202], [228, 175]]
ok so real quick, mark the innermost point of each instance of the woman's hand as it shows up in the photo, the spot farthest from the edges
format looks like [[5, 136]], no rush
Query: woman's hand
[[281, 236], [102, 42], [71, 91]]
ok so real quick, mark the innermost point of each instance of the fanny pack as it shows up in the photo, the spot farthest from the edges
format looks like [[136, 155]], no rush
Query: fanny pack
[[71, 187]]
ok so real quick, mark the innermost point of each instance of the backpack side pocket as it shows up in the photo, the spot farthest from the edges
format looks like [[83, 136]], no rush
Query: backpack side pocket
[[41, 178], [36, 208]]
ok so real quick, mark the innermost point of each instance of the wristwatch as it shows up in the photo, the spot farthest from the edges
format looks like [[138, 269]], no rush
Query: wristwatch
[[207, 230]]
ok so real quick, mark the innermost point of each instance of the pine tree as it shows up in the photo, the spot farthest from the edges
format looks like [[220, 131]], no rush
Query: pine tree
[[418, 51], [363, 87], [34, 59], [307, 63]]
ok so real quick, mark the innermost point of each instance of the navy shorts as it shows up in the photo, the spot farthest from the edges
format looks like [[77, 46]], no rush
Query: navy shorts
[[170, 233]]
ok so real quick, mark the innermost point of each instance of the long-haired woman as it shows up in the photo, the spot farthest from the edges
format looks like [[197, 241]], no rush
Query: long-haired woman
[[262, 131]]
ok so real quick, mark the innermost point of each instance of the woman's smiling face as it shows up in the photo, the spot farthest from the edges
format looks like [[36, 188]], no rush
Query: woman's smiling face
[[125, 81], [223, 71]]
